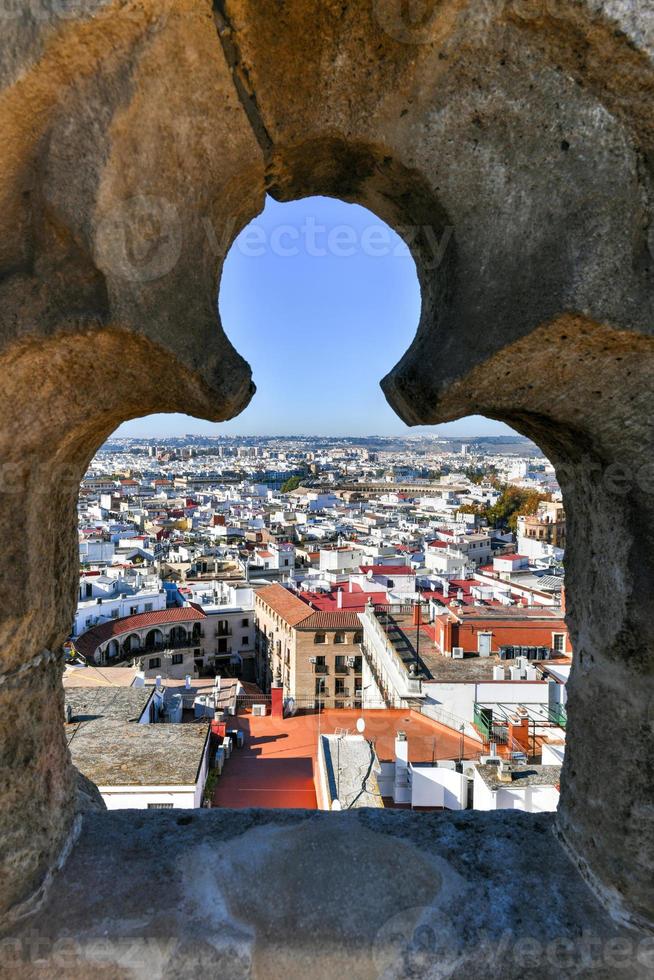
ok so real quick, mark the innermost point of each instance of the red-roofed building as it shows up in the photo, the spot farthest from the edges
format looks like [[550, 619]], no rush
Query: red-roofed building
[[312, 652], [487, 629], [147, 636]]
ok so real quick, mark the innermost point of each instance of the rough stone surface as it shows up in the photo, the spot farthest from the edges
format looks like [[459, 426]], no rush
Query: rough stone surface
[[286, 894], [511, 142]]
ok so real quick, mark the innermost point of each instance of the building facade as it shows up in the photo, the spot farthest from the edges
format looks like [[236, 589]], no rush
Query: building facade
[[314, 655]]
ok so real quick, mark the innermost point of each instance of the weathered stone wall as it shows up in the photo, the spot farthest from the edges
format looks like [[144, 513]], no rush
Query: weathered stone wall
[[283, 894], [509, 141]]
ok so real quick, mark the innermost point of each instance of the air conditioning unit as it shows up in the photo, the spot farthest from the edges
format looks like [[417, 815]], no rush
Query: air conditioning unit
[[313, 660], [457, 653], [359, 692]]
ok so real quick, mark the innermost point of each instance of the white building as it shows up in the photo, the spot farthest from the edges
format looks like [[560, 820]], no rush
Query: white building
[[135, 764], [504, 786], [104, 597]]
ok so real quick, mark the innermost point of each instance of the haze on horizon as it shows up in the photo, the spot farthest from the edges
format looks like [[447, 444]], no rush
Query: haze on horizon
[[322, 298]]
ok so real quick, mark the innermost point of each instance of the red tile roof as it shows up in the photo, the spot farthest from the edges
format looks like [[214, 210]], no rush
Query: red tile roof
[[88, 642], [355, 599], [291, 609], [339, 619]]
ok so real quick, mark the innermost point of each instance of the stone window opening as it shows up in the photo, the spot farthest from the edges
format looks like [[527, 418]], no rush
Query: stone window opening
[[535, 306]]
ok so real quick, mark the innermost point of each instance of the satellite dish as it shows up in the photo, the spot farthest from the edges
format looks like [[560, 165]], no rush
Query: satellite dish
[[361, 726]]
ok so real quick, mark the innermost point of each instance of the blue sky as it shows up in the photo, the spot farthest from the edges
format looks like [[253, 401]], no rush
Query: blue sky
[[322, 299]]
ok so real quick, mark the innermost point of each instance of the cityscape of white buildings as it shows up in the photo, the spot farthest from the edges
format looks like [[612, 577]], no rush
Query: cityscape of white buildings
[[267, 579]]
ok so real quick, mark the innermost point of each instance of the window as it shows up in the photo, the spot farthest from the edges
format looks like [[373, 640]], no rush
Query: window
[[133, 610], [154, 662], [178, 658], [114, 614], [358, 638], [339, 637], [89, 590], [244, 641], [148, 607], [340, 686], [160, 806], [558, 640], [245, 622], [319, 638]]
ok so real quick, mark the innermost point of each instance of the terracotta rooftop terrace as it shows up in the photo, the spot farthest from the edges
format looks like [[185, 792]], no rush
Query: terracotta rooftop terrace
[[275, 768]]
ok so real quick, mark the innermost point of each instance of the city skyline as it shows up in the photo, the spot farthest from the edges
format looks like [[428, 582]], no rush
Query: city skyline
[[322, 298]]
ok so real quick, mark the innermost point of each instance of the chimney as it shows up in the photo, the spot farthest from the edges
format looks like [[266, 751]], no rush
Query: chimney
[[446, 589], [505, 772], [188, 682], [401, 788], [339, 599], [157, 682]]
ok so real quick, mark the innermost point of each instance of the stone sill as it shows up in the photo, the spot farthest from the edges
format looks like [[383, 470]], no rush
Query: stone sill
[[296, 894]]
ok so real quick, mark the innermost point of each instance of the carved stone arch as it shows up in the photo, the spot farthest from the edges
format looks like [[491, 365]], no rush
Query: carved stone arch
[[138, 139]]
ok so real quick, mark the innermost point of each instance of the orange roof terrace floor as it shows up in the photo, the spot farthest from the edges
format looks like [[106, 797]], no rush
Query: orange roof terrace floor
[[275, 767]]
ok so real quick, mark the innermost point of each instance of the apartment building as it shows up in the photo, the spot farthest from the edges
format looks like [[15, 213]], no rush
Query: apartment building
[[314, 654], [542, 534]]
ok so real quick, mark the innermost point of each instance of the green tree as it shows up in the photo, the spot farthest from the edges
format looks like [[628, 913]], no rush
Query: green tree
[[513, 503], [292, 483]]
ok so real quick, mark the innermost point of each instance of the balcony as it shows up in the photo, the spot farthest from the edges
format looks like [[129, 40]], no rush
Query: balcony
[[320, 669], [341, 668], [180, 644], [389, 661]]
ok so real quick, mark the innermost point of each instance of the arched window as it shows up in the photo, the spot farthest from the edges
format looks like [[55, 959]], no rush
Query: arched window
[[339, 637], [358, 637]]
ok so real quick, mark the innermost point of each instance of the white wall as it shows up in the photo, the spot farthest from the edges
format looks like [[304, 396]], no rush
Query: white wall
[[456, 698], [459, 698], [552, 755], [436, 786], [531, 799], [138, 797], [516, 692]]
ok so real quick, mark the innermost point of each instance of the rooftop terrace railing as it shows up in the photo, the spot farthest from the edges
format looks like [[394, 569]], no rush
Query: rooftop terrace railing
[[391, 665]]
